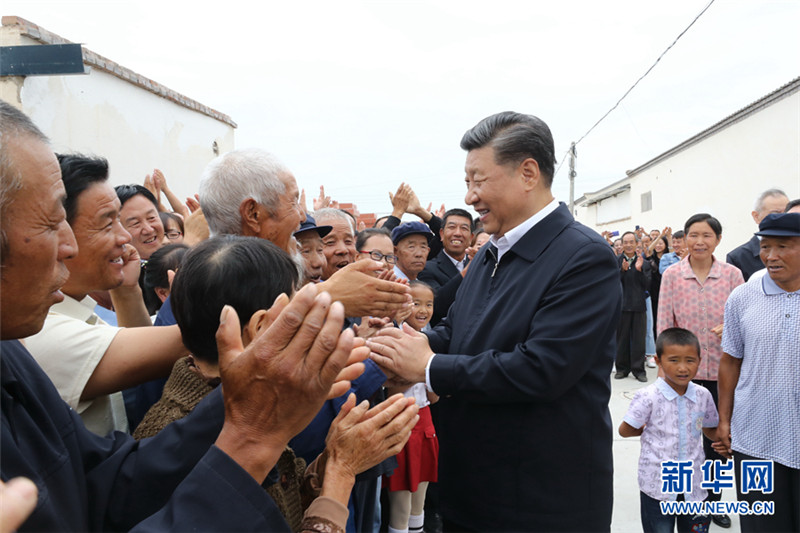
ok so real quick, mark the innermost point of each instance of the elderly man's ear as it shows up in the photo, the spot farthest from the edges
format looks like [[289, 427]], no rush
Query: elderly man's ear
[[253, 217]]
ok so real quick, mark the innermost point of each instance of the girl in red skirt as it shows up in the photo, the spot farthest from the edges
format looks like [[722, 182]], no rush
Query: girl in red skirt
[[418, 461]]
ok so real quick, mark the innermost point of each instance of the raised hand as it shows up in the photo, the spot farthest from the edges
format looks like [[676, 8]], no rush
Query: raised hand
[[275, 386], [322, 201]]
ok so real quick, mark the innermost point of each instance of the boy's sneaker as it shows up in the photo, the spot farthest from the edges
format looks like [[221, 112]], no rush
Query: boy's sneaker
[[651, 362]]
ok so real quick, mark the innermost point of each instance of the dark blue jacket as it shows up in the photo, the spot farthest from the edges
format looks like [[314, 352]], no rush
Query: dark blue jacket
[[175, 481], [747, 257], [523, 364]]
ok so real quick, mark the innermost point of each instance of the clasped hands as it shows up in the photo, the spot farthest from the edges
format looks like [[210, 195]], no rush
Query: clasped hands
[[402, 353]]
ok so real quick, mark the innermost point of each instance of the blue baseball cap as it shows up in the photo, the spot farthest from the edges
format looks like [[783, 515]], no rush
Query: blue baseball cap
[[309, 223], [780, 225], [411, 228]]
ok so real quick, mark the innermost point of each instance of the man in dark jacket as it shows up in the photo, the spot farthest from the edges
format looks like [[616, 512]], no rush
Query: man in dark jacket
[[523, 359], [445, 271], [747, 256], [634, 274]]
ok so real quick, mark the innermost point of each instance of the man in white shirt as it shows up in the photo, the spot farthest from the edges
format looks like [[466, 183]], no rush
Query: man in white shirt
[[89, 361]]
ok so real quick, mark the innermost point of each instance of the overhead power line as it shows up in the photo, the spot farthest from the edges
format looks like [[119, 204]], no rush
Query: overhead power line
[[646, 73]]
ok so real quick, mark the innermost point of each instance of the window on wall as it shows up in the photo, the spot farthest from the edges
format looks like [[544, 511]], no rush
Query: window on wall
[[647, 201]]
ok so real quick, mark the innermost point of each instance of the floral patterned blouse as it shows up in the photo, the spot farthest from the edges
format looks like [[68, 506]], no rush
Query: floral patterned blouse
[[699, 307]]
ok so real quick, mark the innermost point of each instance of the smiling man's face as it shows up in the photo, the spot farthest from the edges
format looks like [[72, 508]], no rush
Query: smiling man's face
[[140, 217], [339, 245]]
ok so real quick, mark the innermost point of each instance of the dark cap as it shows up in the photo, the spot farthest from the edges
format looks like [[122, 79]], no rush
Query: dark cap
[[309, 223], [780, 225], [411, 228]]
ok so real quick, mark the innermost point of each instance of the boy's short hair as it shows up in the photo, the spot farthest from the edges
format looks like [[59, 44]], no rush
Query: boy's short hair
[[247, 273], [676, 337]]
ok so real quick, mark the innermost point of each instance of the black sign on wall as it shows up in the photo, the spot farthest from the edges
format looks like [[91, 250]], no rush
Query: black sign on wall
[[41, 60]]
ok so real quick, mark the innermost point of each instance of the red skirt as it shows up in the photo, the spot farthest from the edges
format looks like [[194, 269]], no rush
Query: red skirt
[[418, 461]]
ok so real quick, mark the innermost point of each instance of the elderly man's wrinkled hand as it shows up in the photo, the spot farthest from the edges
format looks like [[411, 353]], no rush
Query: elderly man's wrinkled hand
[[360, 438], [363, 294], [275, 386]]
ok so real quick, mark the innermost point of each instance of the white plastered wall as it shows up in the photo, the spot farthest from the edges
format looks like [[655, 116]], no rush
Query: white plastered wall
[[722, 174]]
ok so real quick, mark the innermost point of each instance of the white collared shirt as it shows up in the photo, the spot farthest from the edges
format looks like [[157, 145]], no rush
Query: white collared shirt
[[512, 236], [458, 264]]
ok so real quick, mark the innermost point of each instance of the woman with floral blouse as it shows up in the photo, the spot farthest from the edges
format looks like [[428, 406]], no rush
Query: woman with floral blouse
[[693, 295]]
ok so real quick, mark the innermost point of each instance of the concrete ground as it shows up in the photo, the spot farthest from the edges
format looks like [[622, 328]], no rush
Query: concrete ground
[[626, 458]]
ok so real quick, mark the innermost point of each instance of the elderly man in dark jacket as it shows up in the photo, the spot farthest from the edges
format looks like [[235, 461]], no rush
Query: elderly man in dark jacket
[[523, 359]]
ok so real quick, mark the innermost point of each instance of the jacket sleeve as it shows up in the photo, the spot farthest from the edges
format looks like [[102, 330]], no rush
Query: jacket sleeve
[[128, 481], [571, 332], [217, 495], [435, 224]]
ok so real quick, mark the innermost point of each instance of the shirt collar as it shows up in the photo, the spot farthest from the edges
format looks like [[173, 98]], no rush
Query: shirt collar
[[456, 263], [670, 394], [688, 273], [769, 286], [82, 310], [512, 236], [399, 274]]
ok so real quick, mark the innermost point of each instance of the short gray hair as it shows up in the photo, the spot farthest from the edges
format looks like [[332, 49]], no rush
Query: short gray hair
[[13, 124], [328, 213], [232, 178], [769, 193]]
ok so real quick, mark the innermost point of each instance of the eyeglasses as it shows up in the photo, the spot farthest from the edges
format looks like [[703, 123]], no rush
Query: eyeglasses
[[377, 256], [172, 235]]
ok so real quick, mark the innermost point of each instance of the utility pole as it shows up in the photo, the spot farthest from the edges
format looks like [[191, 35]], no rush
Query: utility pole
[[572, 156]]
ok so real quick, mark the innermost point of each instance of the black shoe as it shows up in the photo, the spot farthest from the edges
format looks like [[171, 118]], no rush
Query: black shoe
[[722, 520], [620, 375], [641, 377]]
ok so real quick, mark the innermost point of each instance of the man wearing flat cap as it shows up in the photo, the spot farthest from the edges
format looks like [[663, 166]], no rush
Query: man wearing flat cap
[[309, 243], [759, 404], [411, 245]]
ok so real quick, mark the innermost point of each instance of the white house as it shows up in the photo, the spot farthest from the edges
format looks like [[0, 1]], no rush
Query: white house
[[113, 112], [722, 170]]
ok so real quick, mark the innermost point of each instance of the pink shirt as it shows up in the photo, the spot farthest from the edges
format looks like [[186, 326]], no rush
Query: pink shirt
[[686, 303]]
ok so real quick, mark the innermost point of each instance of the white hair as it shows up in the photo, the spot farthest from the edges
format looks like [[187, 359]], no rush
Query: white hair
[[329, 213], [769, 193], [234, 177]]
